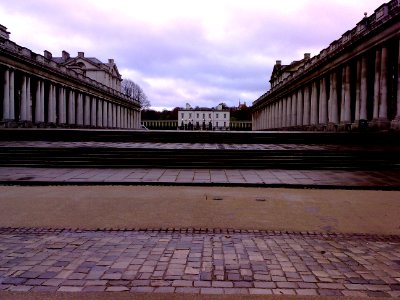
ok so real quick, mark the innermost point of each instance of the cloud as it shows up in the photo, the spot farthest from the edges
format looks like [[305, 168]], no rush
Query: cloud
[[204, 52]]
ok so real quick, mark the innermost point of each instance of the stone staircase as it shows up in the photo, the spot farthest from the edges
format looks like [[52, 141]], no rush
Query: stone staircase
[[81, 149]]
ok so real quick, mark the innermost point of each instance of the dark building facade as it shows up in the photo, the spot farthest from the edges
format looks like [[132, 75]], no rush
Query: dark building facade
[[352, 84], [43, 91]]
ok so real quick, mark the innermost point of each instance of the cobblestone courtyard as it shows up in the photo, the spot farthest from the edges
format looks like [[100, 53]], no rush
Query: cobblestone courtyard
[[200, 262]]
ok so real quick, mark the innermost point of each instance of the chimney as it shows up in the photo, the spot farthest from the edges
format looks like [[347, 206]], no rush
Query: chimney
[[110, 61], [81, 54], [48, 54], [278, 62], [307, 55], [65, 55], [4, 33]]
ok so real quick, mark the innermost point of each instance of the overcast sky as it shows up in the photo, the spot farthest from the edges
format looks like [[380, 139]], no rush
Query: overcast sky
[[199, 51]]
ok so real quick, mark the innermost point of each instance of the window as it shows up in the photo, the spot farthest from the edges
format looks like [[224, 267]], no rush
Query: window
[[190, 115], [204, 116], [216, 116], [217, 124], [209, 116], [198, 116], [224, 116], [182, 115]]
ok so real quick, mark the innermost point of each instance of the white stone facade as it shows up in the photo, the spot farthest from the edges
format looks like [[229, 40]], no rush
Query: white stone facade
[[204, 119]]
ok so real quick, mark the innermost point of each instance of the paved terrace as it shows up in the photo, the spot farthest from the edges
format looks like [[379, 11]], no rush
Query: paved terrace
[[261, 178], [201, 261]]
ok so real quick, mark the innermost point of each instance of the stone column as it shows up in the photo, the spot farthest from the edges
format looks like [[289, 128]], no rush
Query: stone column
[[51, 117], [6, 95], [363, 89], [323, 103], [119, 117], [284, 112], [288, 111], [293, 118], [12, 97], [99, 113], [38, 106], [358, 93], [114, 106], [29, 116], [306, 110], [333, 101], [71, 108], [314, 104], [377, 83], [396, 121], [383, 110], [11, 111], [87, 112], [105, 114], [62, 105], [279, 114], [93, 117], [24, 104], [42, 100], [79, 109], [345, 113], [123, 117], [299, 118]]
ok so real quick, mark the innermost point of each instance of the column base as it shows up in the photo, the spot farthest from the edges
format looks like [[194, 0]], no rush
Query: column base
[[8, 124], [380, 124], [25, 124], [345, 126], [332, 127], [395, 124]]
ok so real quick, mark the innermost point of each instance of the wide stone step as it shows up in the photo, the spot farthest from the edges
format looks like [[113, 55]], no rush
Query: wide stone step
[[195, 158]]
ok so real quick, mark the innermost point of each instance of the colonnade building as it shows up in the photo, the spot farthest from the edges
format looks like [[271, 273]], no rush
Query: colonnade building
[[352, 84], [46, 91]]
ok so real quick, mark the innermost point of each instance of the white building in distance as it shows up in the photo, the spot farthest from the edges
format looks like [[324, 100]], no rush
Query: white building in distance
[[204, 118]]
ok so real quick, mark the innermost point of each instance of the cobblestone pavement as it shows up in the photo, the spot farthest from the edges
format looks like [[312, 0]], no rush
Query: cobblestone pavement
[[200, 261], [270, 177]]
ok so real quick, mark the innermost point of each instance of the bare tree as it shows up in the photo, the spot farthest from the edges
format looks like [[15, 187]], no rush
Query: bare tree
[[135, 92]]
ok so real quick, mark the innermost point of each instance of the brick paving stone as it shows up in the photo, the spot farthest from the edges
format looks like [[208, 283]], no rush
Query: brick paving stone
[[265, 285], [326, 292], [211, 291], [283, 292], [164, 290], [201, 284], [142, 289], [182, 283], [117, 289], [255, 291], [94, 288], [187, 290], [21, 288], [42, 288], [70, 289], [306, 292]]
